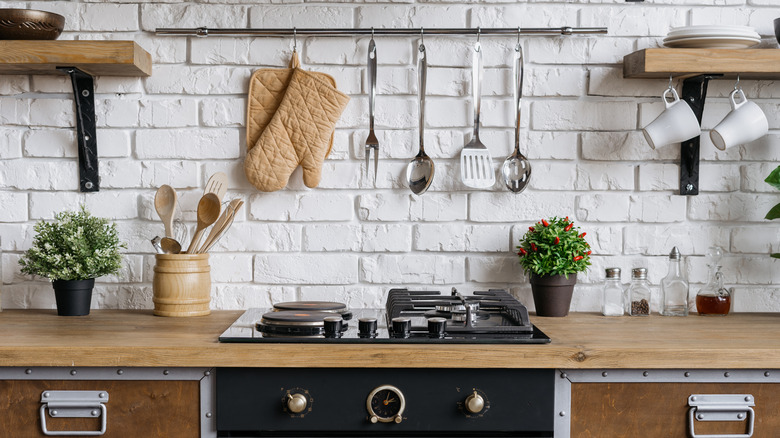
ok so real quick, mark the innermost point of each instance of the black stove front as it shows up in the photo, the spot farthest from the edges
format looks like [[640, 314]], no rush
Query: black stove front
[[350, 402]]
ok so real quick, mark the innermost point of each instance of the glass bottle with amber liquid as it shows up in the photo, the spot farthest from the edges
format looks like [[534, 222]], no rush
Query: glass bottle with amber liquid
[[714, 299]]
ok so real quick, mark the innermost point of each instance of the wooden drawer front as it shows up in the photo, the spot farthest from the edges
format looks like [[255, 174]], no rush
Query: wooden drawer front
[[157, 408], [661, 409]]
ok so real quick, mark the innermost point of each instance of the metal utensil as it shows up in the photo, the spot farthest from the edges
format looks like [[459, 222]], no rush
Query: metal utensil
[[372, 142], [420, 171], [516, 169], [476, 166], [208, 212], [165, 204], [217, 185], [170, 246], [157, 246], [215, 230]]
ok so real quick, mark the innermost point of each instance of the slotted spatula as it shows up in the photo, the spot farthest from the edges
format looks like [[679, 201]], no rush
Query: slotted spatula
[[476, 166]]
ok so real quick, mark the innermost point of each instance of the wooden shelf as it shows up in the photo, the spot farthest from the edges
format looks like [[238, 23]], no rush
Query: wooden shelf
[[97, 58], [660, 63]]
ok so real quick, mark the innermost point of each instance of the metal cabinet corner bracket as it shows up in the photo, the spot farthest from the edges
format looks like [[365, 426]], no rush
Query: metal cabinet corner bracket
[[74, 404], [694, 92], [84, 96], [721, 407]]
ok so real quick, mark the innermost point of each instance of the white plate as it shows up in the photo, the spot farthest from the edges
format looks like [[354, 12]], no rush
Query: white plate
[[724, 34], [695, 30], [713, 43]]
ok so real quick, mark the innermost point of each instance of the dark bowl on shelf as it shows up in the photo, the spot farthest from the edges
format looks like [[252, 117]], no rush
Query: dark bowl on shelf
[[30, 24], [777, 29]]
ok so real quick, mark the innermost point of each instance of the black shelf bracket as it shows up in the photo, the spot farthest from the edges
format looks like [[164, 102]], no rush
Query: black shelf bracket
[[84, 96], [694, 93]]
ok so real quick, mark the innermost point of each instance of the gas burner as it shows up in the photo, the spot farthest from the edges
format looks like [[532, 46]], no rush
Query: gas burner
[[297, 323], [316, 306]]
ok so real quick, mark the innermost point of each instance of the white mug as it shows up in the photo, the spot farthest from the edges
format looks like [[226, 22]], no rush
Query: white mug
[[676, 124], [745, 123]]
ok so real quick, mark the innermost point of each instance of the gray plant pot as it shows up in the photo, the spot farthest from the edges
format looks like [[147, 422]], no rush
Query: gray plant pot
[[552, 294]]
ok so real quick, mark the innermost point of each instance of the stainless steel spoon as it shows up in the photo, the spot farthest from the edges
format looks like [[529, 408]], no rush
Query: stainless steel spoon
[[419, 172], [516, 169]]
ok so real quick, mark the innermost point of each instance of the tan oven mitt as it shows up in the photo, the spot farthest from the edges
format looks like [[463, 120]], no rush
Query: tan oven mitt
[[291, 117]]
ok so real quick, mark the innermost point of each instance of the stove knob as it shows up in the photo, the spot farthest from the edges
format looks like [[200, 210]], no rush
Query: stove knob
[[367, 327], [296, 403], [474, 403], [333, 326], [437, 327], [402, 327]]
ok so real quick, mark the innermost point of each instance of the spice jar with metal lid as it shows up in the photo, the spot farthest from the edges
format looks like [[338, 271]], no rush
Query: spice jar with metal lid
[[639, 293], [612, 297]]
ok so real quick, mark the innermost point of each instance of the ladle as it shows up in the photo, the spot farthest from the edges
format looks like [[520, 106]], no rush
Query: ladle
[[165, 204], [516, 169], [170, 246], [419, 172], [208, 212]]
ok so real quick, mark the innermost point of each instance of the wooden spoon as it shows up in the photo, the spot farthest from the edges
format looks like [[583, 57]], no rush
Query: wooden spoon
[[208, 211], [224, 227], [170, 246], [165, 204], [218, 224], [217, 185]]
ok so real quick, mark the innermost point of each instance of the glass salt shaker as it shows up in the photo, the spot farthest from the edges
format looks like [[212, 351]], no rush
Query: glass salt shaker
[[714, 299], [612, 298], [639, 293], [675, 287]]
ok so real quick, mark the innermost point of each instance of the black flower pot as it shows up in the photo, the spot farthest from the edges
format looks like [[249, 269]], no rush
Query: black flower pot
[[73, 296], [552, 294]]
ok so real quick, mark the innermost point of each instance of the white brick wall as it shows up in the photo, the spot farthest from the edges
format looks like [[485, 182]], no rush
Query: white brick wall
[[352, 239]]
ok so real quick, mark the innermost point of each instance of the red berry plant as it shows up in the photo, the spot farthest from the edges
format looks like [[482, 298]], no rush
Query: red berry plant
[[554, 247]]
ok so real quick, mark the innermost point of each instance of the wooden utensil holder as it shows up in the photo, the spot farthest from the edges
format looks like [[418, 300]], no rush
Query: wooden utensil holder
[[182, 285]]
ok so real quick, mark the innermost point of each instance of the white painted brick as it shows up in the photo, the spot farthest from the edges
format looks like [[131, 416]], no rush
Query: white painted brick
[[248, 236], [763, 149], [609, 81], [113, 204], [384, 207], [26, 174], [163, 50], [581, 50], [137, 235], [439, 207], [245, 296], [51, 84], [558, 81], [45, 205], [755, 240], [16, 237], [754, 270], [70, 10], [188, 143], [624, 146], [108, 17], [14, 111], [10, 143], [498, 113], [719, 177], [702, 16], [512, 16], [112, 143], [15, 206], [299, 16], [508, 207], [457, 52], [581, 115], [603, 207], [440, 237], [226, 50], [734, 207], [272, 206], [605, 176], [12, 271], [407, 269], [494, 269], [447, 82], [443, 143], [604, 240], [168, 113], [628, 21], [122, 297], [231, 268], [659, 177], [179, 174], [192, 15], [355, 297], [659, 239], [753, 176], [52, 112], [348, 79], [657, 208], [345, 175], [756, 299], [548, 145], [348, 51], [394, 81], [386, 238], [50, 143], [381, 16], [176, 79], [392, 144], [487, 238], [323, 207], [335, 237], [306, 269], [445, 113], [121, 174], [14, 84], [117, 112], [553, 176], [131, 271]]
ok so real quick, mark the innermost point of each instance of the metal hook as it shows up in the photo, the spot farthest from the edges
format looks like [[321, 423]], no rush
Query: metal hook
[[422, 38], [479, 33], [736, 84], [372, 32], [671, 85], [295, 40], [518, 35]]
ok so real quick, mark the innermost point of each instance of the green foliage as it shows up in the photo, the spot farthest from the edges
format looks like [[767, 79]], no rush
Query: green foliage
[[558, 248], [774, 180], [76, 246]]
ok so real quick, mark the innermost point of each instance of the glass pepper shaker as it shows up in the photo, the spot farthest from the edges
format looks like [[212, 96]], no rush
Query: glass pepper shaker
[[612, 297], [639, 293], [714, 299], [675, 287]]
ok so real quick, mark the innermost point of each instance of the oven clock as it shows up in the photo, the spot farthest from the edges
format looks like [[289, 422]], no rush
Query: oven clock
[[386, 404]]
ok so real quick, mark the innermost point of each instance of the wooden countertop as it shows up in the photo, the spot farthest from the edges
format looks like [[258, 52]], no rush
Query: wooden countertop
[[581, 340]]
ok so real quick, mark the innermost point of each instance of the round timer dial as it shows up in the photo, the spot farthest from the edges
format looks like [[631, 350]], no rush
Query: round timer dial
[[386, 404]]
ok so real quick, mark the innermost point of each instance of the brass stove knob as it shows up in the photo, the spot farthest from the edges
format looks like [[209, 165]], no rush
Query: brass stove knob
[[474, 403], [296, 403]]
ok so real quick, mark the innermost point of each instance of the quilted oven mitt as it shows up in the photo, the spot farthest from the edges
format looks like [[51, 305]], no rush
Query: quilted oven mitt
[[291, 117]]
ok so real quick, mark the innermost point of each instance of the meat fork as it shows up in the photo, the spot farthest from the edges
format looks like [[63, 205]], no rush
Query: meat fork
[[372, 142]]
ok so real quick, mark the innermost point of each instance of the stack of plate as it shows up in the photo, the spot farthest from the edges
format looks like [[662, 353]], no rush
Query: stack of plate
[[712, 37]]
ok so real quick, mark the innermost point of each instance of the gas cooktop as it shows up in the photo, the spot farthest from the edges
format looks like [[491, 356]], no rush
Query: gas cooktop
[[485, 317]]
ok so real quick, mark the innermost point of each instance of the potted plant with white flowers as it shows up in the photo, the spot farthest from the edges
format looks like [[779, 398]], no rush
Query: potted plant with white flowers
[[72, 251]]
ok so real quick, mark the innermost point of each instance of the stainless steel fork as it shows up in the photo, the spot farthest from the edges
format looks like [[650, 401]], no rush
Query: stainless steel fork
[[372, 142]]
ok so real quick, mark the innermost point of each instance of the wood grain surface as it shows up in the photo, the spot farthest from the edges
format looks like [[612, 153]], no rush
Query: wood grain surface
[[101, 58], [660, 63], [167, 408], [661, 409]]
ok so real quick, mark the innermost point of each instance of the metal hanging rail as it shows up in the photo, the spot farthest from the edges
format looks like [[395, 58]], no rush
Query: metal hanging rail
[[515, 31]]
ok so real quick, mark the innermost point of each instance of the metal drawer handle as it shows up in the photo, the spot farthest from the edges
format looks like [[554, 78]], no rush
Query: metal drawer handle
[[721, 407], [74, 404]]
